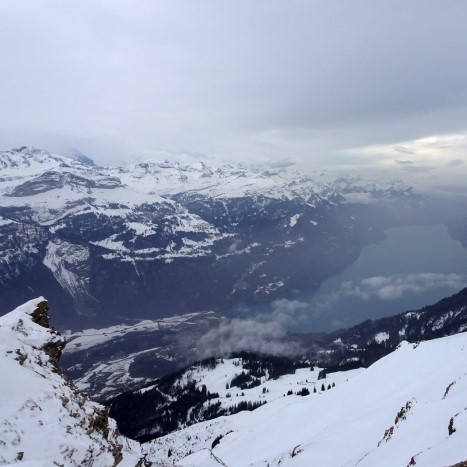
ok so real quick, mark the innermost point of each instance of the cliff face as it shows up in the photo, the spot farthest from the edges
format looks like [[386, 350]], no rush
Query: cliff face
[[43, 417]]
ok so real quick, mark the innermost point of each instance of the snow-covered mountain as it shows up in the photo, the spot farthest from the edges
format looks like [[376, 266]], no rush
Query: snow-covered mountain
[[44, 419], [112, 244], [363, 344], [214, 387], [242, 382], [408, 408]]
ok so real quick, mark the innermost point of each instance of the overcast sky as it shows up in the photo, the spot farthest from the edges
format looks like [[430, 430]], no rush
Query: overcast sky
[[317, 83]]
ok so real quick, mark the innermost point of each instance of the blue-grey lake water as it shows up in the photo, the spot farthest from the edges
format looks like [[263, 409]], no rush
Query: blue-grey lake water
[[412, 267]]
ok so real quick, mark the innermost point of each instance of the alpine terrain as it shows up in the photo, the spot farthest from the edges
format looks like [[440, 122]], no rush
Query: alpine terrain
[[108, 245], [408, 408]]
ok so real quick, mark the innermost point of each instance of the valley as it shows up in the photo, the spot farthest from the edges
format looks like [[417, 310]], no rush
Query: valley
[[233, 234], [110, 245], [196, 301], [48, 420]]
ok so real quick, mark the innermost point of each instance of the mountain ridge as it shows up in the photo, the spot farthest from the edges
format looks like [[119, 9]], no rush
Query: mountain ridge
[[408, 408], [44, 419], [96, 240], [158, 348]]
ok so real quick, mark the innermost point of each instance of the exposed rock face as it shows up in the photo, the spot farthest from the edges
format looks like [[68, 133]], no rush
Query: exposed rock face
[[43, 417], [55, 347], [41, 314]]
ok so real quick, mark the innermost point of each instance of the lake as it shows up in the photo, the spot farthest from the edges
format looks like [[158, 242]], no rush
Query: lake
[[412, 267]]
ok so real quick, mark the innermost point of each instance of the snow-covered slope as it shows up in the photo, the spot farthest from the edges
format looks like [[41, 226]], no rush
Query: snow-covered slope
[[367, 342], [94, 360], [155, 348], [407, 409], [97, 240], [44, 419], [216, 387]]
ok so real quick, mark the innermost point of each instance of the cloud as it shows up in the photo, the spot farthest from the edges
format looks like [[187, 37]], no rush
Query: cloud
[[289, 313], [393, 287], [455, 162], [281, 164], [234, 245], [237, 80], [359, 198], [418, 169], [266, 334], [437, 149], [403, 150]]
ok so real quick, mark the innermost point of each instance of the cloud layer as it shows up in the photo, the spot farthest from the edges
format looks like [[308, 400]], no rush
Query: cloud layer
[[266, 334], [394, 287], [261, 81]]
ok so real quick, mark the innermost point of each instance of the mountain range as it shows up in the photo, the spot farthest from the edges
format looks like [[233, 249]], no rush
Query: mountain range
[[141, 264], [108, 245]]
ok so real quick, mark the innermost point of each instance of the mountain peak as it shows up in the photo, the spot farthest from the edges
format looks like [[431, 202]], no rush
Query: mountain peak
[[44, 419]]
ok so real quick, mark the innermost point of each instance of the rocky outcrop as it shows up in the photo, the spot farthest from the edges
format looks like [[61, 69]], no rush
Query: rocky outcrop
[[44, 418]]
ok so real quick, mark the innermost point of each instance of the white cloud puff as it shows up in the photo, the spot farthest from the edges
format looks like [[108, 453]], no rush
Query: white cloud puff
[[266, 334], [395, 286]]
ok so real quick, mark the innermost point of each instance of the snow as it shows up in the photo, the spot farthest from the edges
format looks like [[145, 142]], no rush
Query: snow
[[216, 381], [408, 407], [347, 425], [140, 229], [61, 258], [43, 419], [88, 338], [294, 219], [109, 379], [4, 221], [55, 188], [141, 183], [269, 288], [359, 198], [381, 337], [203, 457]]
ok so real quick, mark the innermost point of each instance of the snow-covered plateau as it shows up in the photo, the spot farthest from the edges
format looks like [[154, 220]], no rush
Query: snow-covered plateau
[[94, 360], [409, 408]]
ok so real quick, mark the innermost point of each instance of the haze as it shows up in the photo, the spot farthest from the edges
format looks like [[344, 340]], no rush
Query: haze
[[322, 83]]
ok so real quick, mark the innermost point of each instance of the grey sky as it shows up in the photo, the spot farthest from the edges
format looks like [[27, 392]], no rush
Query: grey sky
[[316, 82]]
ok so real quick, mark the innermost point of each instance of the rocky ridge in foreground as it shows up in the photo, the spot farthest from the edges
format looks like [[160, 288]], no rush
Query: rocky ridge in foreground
[[43, 417]]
